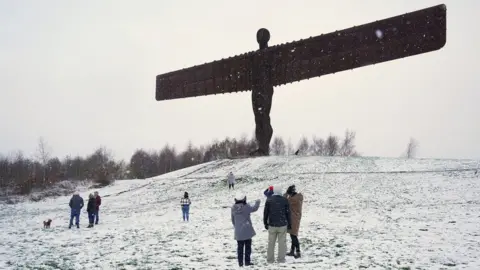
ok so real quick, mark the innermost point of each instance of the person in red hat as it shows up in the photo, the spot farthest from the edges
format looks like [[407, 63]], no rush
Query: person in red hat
[[268, 192]]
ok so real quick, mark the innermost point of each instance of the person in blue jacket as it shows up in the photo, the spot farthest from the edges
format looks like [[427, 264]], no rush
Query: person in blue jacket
[[76, 205], [268, 192], [243, 228]]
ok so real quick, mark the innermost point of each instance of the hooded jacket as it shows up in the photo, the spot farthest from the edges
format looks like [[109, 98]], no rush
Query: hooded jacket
[[91, 205], [241, 220], [231, 179], [76, 202], [296, 201]]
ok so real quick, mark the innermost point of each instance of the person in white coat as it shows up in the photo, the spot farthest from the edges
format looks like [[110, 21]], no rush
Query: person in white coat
[[231, 181]]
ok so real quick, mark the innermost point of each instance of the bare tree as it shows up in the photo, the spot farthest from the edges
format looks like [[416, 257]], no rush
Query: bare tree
[[348, 145], [331, 145], [303, 146], [412, 148], [101, 166], [289, 150], [278, 146], [140, 164], [317, 147], [243, 147], [21, 175], [43, 156], [193, 155]]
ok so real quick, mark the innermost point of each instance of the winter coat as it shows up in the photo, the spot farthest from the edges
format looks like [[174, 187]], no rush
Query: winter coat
[[91, 205], [277, 211], [98, 202], [185, 202], [241, 220], [231, 178], [296, 202], [76, 202]]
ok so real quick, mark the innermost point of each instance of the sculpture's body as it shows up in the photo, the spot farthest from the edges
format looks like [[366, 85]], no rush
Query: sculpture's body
[[411, 34], [262, 93]]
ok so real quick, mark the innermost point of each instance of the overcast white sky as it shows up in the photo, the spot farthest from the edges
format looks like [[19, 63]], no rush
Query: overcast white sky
[[82, 74]]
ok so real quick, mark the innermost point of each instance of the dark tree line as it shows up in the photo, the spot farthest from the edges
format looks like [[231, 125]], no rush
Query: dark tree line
[[144, 164], [330, 146], [21, 175]]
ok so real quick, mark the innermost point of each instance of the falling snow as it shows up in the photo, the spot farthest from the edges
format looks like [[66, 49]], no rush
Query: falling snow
[[358, 213]]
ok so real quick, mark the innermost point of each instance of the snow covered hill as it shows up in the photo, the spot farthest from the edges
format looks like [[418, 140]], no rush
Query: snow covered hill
[[373, 213]]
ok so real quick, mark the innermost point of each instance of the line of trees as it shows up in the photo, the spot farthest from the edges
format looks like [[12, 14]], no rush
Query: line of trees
[[20, 174]]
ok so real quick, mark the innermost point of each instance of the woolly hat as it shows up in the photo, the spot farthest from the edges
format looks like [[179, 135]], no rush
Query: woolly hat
[[240, 197], [277, 190], [291, 189]]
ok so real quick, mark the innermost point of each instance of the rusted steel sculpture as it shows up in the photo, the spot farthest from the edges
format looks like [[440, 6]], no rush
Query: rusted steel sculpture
[[406, 35]]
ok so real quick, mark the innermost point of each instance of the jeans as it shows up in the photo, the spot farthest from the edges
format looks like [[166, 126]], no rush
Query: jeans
[[75, 213], [96, 216], [185, 212], [244, 248], [91, 217]]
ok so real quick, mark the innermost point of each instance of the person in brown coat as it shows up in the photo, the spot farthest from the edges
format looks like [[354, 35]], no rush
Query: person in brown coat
[[295, 200]]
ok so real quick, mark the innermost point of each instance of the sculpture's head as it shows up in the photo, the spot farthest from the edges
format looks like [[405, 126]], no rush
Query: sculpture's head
[[263, 36]]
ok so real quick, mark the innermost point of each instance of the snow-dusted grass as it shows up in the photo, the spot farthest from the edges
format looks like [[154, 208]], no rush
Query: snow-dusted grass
[[358, 213]]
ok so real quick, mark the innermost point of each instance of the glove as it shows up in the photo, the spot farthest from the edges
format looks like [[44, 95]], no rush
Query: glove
[[289, 227], [266, 226]]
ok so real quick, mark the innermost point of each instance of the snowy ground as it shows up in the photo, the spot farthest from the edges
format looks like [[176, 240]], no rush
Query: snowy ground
[[359, 213]]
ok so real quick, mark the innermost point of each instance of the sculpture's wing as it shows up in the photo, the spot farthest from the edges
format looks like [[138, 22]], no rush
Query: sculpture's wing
[[414, 33], [233, 74]]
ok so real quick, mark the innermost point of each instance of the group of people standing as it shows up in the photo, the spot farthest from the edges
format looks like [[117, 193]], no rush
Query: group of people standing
[[93, 206], [281, 215]]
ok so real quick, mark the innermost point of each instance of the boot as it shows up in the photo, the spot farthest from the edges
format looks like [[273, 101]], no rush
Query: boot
[[291, 253], [90, 225], [297, 255], [247, 261]]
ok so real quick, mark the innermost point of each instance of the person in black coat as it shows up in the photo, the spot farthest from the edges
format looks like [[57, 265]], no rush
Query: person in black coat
[[277, 220], [91, 208]]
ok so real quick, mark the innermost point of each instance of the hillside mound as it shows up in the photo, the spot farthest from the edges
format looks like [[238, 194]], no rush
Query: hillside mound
[[358, 213]]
